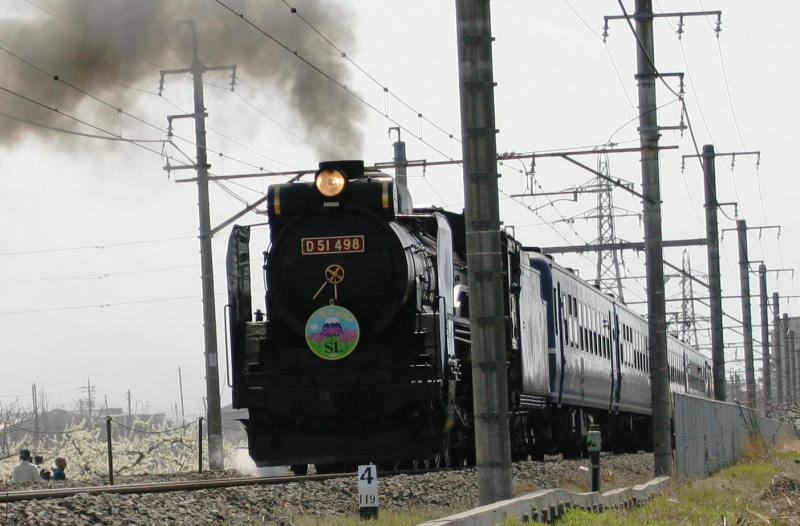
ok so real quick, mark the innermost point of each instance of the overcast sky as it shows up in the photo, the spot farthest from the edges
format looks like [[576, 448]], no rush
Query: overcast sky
[[99, 251]]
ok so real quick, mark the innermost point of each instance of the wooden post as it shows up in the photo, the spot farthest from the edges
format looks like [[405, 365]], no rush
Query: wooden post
[[110, 452]]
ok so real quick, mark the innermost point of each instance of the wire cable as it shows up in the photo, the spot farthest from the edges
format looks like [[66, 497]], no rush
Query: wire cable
[[121, 111], [76, 119], [383, 86], [95, 247], [327, 76]]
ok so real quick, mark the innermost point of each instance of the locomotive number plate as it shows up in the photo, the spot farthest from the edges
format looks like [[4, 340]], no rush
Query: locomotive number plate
[[331, 245]]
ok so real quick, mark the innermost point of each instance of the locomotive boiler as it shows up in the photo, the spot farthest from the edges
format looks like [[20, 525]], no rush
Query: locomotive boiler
[[354, 359]]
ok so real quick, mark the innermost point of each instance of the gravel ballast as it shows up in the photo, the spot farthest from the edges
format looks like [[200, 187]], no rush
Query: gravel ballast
[[448, 491]]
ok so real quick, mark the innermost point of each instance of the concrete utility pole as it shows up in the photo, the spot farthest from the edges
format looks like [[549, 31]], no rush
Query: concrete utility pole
[[793, 353], [214, 418], [714, 282], [747, 321], [654, 259], [35, 410], [486, 279], [89, 388], [765, 363], [180, 387], [776, 346], [791, 381]]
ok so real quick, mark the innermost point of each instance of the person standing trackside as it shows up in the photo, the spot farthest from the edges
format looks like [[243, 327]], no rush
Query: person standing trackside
[[25, 471]]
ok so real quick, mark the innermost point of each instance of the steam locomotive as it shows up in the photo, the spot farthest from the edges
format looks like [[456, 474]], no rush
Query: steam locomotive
[[363, 352]]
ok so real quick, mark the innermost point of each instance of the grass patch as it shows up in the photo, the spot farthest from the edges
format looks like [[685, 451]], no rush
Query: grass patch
[[755, 491], [754, 474], [789, 456], [735, 493]]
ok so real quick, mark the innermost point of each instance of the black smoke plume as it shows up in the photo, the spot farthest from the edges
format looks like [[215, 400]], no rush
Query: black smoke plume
[[102, 46]]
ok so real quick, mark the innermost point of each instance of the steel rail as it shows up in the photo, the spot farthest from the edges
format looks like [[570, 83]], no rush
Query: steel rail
[[161, 487]]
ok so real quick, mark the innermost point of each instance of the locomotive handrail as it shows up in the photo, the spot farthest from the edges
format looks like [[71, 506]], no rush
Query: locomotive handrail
[[225, 311]]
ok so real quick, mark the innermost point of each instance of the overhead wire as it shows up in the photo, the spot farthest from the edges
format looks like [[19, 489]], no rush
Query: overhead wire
[[549, 223], [349, 59], [665, 83], [94, 276], [742, 142], [608, 52], [330, 78], [79, 120], [118, 137], [98, 305], [688, 75], [96, 246]]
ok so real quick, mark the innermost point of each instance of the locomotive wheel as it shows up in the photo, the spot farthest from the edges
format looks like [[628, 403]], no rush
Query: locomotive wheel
[[299, 469], [442, 458]]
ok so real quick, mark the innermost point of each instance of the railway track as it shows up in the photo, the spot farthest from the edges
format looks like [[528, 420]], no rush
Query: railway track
[[272, 500], [161, 487]]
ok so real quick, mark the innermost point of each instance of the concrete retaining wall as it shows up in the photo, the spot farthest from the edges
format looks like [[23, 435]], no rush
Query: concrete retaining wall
[[710, 435], [549, 504]]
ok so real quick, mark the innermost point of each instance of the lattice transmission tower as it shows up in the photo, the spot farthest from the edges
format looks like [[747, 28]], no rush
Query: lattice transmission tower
[[688, 330], [608, 275]]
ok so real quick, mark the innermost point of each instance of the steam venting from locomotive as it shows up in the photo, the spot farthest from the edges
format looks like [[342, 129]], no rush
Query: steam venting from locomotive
[[106, 46]]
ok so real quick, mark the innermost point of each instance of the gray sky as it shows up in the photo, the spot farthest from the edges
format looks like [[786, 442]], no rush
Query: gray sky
[[99, 256]]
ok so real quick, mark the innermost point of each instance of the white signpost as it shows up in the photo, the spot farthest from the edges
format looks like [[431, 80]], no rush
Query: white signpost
[[368, 491]]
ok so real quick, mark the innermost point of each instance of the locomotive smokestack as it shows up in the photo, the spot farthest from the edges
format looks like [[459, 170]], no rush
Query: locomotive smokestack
[[404, 205]]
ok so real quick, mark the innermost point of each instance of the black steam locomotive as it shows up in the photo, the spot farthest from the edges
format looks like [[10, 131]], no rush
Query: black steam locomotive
[[363, 353]]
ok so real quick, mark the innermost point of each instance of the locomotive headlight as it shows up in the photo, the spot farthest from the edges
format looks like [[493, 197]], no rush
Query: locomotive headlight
[[330, 183]]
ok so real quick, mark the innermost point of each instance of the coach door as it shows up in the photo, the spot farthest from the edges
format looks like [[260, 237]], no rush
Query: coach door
[[560, 358], [616, 369]]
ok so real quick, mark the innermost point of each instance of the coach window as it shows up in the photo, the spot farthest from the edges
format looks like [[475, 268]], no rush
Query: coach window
[[596, 338], [556, 301]]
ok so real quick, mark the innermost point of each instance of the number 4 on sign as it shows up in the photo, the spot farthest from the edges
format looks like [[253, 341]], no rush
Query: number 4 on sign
[[368, 491], [366, 476]]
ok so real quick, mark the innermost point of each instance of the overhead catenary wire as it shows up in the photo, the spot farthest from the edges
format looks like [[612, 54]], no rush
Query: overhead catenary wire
[[99, 246], [121, 111], [688, 75], [96, 276], [76, 119], [98, 305], [330, 78], [380, 84], [608, 51]]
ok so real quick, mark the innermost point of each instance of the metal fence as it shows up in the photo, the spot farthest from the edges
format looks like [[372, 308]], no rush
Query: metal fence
[[711, 435]]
